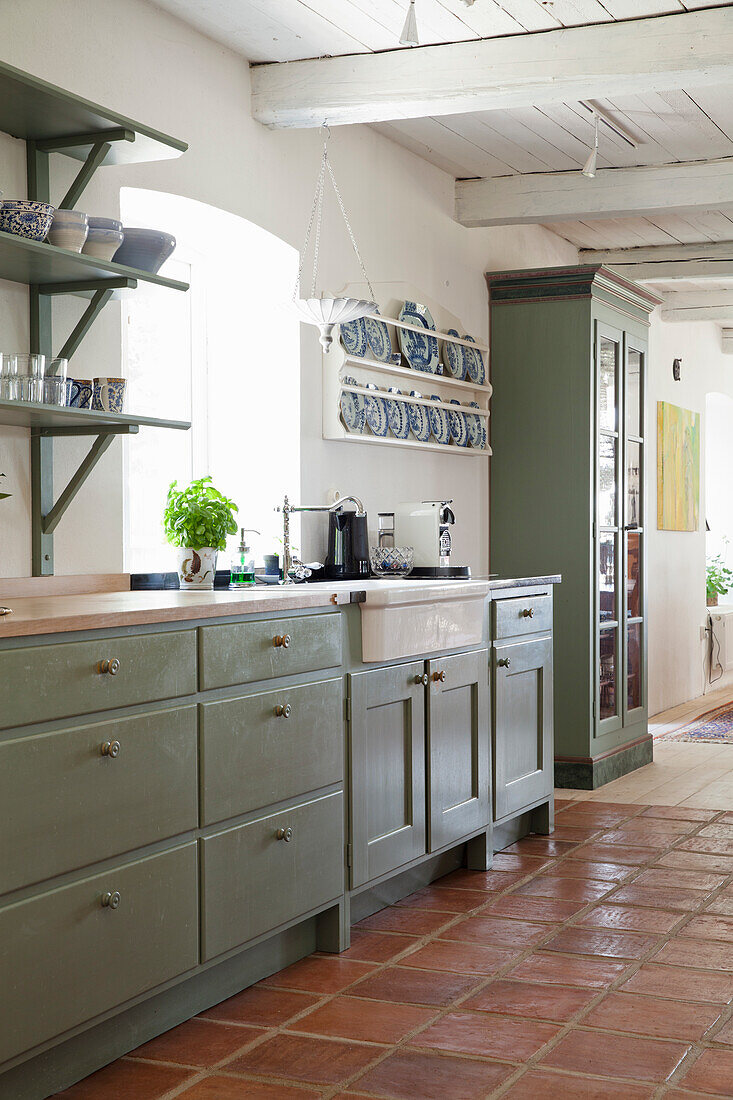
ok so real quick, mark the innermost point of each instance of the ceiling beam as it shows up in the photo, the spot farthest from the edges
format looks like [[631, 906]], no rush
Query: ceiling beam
[[701, 313], [523, 70], [614, 193], [704, 261]]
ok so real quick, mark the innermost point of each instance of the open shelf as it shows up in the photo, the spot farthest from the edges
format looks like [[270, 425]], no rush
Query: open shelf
[[28, 414], [429, 332], [417, 375], [34, 110], [44, 265], [413, 444]]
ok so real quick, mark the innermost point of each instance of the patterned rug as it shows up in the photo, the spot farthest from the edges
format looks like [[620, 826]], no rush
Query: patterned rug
[[715, 726]]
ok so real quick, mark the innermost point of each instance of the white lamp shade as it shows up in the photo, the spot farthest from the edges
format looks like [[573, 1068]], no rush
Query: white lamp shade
[[325, 312], [409, 31]]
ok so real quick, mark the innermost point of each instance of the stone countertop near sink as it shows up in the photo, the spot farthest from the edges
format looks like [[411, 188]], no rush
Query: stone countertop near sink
[[51, 614]]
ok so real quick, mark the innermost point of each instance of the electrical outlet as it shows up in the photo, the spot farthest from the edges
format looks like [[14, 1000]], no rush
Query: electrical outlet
[[703, 633]]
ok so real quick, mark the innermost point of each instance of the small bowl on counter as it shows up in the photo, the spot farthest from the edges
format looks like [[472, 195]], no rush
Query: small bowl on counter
[[26, 218], [104, 238], [145, 249], [68, 230], [391, 561]]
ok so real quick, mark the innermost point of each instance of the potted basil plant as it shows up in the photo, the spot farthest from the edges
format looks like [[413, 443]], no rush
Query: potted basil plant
[[197, 520]]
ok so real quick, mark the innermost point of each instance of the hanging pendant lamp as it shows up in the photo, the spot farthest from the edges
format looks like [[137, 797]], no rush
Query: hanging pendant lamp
[[326, 310], [409, 31], [589, 168]]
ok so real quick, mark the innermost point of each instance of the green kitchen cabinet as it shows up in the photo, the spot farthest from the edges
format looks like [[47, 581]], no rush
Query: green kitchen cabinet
[[569, 350]]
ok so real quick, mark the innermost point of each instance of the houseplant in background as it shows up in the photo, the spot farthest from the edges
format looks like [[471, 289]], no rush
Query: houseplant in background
[[197, 520], [718, 579], [4, 496]]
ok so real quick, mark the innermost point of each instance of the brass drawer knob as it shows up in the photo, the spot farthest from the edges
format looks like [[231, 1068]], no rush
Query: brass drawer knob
[[503, 662], [528, 613], [110, 665], [439, 677], [285, 834], [422, 678], [111, 900], [282, 641], [111, 748], [283, 711]]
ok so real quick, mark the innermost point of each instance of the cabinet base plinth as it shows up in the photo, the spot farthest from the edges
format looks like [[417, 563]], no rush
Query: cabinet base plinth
[[587, 775]]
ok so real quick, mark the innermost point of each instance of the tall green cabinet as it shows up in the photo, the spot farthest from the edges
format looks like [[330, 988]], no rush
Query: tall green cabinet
[[568, 360]]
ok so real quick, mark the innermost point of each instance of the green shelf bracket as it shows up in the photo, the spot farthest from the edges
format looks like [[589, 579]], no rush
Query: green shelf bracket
[[100, 143]]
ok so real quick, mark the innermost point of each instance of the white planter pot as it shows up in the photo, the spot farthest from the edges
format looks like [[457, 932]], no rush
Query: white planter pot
[[197, 569]]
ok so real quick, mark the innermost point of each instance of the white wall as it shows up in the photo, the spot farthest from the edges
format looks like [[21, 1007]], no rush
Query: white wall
[[676, 559], [143, 63]]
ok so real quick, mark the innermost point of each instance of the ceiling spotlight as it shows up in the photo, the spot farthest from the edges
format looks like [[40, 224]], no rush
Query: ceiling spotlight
[[409, 31], [589, 168], [469, 3]]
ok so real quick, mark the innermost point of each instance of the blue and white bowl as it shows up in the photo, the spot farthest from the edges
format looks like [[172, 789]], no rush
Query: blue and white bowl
[[420, 351], [397, 419], [26, 218], [353, 407], [145, 249], [418, 418], [439, 424], [458, 426], [453, 357], [376, 412], [354, 338], [476, 427], [474, 362]]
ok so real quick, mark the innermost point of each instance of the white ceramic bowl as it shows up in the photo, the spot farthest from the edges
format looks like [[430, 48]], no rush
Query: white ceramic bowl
[[68, 230], [102, 243]]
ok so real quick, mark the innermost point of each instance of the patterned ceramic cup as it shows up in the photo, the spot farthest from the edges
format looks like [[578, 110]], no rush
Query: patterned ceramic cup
[[79, 393], [109, 394]]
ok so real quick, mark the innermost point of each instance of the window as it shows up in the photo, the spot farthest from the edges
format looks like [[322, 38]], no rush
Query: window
[[225, 356]]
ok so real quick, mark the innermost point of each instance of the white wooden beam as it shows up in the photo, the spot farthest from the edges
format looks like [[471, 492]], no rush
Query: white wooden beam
[[711, 305], [726, 340], [523, 70], [704, 261], [614, 193]]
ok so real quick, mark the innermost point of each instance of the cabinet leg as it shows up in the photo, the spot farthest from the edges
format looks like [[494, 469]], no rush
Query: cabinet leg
[[543, 818], [333, 928], [480, 851]]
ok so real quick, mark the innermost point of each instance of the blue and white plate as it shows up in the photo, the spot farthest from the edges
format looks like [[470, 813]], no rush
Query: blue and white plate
[[353, 407], [376, 412], [474, 363], [439, 425], [419, 419], [379, 340], [453, 357], [397, 419], [458, 426], [354, 338], [421, 352]]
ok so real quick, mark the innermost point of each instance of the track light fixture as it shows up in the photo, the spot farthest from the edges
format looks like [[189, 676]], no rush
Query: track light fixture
[[589, 168], [409, 31]]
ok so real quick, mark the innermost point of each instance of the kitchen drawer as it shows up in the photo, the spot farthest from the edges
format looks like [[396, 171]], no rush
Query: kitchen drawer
[[253, 882], [269, 747], [238, 653], [57, 681], [521, 615], [65, 957], [65, 804]]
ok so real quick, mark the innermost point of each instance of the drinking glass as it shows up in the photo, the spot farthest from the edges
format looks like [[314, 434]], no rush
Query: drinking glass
[[30, 365], [8, 377]]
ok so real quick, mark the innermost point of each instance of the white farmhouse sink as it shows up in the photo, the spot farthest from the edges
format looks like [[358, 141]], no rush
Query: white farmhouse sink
[[406, 618]]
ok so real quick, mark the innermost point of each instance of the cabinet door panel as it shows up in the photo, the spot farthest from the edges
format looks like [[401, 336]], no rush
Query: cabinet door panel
[[522, 727], [387, 769], [458, 747]]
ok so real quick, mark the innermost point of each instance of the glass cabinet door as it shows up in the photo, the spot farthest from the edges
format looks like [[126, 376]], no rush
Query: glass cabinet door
[[609, 568], [633, 557]]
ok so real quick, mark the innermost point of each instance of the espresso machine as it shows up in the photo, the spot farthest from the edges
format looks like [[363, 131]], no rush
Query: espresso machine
[[426, 527]]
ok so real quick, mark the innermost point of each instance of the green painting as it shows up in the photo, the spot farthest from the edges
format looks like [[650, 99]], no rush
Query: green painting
[[678, 468]]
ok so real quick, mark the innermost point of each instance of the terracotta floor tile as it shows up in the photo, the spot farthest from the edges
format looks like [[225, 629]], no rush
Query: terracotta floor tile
[[645, 826], [301, 1058], [726, 819], [722, 906], [353, 1018], [569, 889], [588, 818], [701, 954], [653, 839], [480, 880], [558, 970], [652, 1016], [715, 845], [598, 872], [261, 1006], [616, 1056], [422, 987], [631, 918], [678, 813], [685, 879], [128, 1081], [587, 941], [574, 832], [657, 897], [552, 910], [585, 805], [613, 853], [319, 975], [376, 946], [445, 900], [725, 1035], [233, 1088], [460, 958], [718, 829], [496, 932], [711, 1073], [414, 1076], [510, 862], [541, 846], [537, 1085], [418, 922], [681, 983], [530, 1000], [198, 1042], [489, 1036], [696, 861]]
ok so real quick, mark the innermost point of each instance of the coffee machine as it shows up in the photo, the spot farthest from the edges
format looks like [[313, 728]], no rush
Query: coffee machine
[[426, 527]]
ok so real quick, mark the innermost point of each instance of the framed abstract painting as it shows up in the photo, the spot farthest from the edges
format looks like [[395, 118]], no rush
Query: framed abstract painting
[[678, 468]]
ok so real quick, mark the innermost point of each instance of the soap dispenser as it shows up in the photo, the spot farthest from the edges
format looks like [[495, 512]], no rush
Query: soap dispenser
[[243, 564]]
